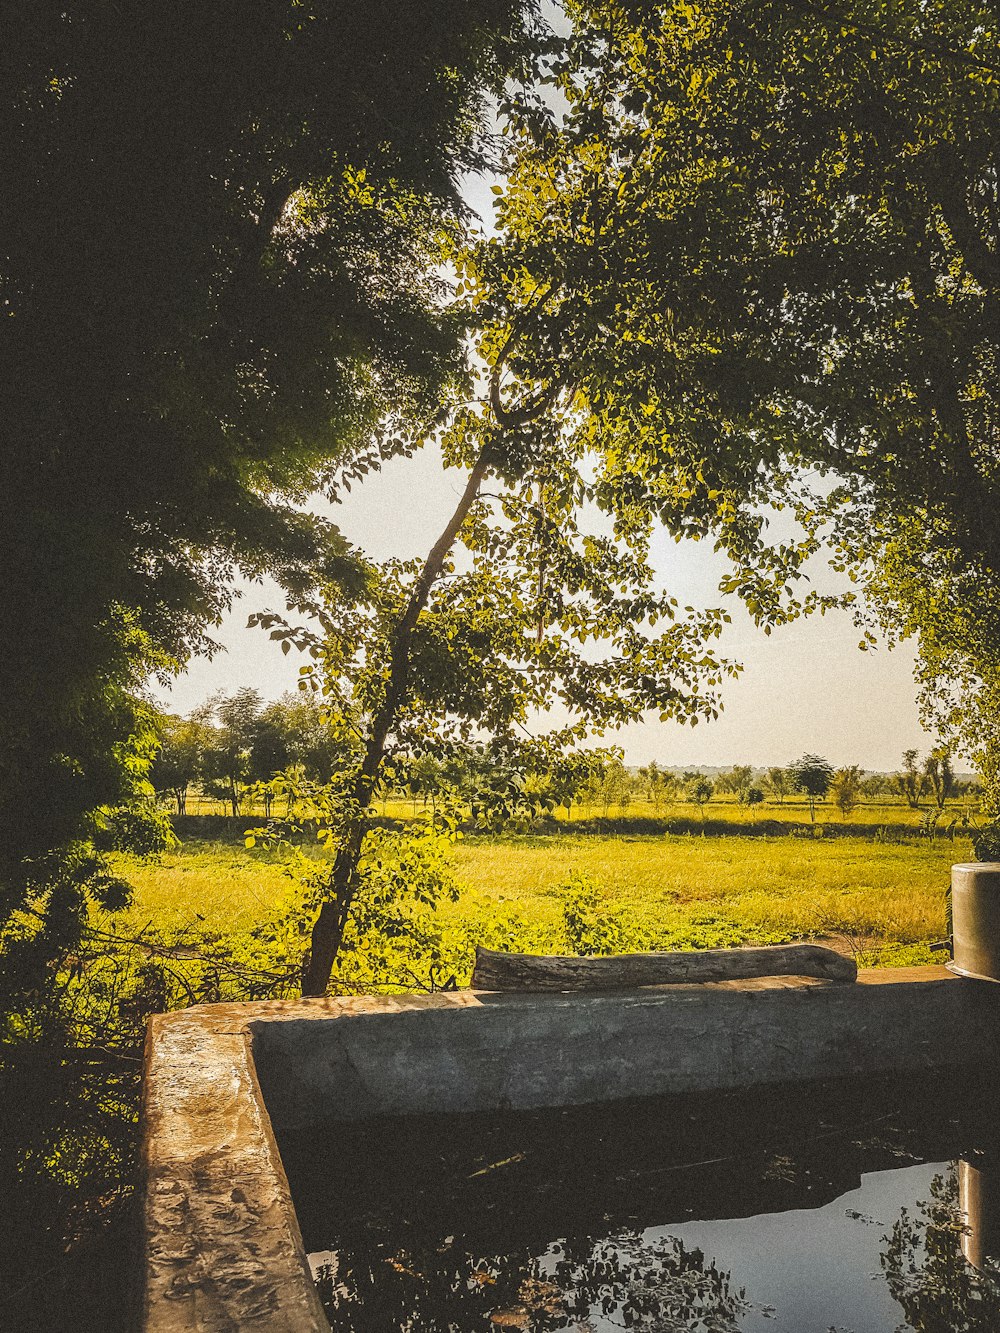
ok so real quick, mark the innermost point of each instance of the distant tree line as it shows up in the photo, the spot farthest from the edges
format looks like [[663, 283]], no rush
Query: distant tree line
[[235, 746], [812, 777]]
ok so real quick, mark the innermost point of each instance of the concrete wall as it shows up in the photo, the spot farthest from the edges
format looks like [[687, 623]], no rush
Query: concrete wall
[[554, 1050], [222, 1245]]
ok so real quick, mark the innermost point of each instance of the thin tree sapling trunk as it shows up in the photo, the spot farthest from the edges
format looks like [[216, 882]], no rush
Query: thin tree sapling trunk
[[328, 929]]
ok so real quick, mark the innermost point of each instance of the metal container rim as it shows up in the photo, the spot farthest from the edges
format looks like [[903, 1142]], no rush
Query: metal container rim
[[952, 966]]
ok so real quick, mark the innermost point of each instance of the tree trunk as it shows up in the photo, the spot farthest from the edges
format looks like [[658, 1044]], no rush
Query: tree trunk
[[330, 924], [532, 972]]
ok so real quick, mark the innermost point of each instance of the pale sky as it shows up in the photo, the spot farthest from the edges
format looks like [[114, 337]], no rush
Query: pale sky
[[806, 687]]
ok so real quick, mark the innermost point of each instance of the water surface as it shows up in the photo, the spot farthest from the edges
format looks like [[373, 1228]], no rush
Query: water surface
[[804, 1209]]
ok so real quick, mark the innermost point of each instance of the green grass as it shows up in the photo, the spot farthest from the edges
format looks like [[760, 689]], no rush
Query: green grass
[[885, 899], [728, 890], [224, 887]]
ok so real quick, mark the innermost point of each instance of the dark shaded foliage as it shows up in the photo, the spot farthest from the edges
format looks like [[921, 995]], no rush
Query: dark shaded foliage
[[217, 274]]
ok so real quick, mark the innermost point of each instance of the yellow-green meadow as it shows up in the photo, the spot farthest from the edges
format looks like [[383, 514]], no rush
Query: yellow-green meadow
[[885, 899]]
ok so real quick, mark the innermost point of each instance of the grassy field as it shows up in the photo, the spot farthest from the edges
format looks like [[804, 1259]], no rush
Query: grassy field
[[883, 900], [763, 886]]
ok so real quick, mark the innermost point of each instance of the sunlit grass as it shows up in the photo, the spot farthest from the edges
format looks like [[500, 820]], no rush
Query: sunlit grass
[[804, 887], [669, 890], [223, 887]]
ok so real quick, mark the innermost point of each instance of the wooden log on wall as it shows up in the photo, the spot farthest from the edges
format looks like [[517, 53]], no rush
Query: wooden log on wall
[[554, 972]]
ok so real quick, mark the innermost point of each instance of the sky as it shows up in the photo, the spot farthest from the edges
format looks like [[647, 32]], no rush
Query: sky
[[807, 687]]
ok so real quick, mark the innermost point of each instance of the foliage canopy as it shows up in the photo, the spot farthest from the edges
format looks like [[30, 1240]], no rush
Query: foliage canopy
[[760, 244], [220, 290]]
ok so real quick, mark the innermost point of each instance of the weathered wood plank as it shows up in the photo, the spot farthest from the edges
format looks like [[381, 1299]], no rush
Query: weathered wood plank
[[553, 972]]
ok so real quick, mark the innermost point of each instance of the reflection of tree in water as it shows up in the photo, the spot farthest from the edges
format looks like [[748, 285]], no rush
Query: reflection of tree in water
[[652, 1288], [928, 1275]]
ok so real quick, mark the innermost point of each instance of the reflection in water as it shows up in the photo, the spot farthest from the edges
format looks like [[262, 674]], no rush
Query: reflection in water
[[925, 1262], [791, 1210], [979, 1202], [650, 1287]]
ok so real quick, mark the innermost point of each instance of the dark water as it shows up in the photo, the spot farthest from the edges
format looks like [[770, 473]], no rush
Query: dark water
[[803, 1209]]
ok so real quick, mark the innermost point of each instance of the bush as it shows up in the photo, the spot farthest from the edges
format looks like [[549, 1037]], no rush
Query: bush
[[986, 842], [589, 927]]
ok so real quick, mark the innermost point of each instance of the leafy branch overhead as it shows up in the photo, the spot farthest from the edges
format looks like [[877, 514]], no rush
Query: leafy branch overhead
[[221, 290]]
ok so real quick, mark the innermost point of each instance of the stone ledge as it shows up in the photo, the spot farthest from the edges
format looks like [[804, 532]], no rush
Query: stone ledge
[[221, 1242]]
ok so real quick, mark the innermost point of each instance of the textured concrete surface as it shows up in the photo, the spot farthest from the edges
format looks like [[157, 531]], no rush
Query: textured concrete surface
[[222, 1245]]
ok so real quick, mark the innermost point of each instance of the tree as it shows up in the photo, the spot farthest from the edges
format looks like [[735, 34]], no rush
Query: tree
[[307, 737], [568, 776], [427, 656], [845, 789], [779, 783], [178, 759], [812, 775], [699, 393], [875, 784], [222, 284], [797, 276], [270, 752], [735, 780], [610, 785], [496, 783], [699, 791], [938, 770], [231, 725], [911, 780], [424, 776], [660, 784], [626, 791]]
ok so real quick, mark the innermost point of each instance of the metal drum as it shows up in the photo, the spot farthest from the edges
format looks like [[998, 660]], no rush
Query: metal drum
[[975, 916]]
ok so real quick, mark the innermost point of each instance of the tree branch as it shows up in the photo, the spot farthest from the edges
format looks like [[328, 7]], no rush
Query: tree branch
[[247, 267]]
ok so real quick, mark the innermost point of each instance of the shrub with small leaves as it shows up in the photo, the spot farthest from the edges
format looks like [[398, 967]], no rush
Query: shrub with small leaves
[[589, 926], [986, 842]]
